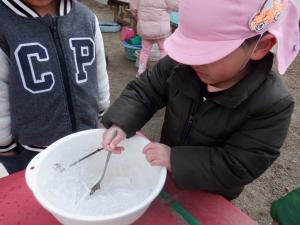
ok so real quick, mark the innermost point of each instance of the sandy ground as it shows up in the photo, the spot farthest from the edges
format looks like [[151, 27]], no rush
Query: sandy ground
[[276, 181]]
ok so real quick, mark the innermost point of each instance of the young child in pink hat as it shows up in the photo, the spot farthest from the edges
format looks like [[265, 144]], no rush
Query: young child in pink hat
[[227, 109], [153, 25]]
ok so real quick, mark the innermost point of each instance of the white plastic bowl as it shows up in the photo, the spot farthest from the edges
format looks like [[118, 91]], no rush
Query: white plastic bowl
[[67, 150]]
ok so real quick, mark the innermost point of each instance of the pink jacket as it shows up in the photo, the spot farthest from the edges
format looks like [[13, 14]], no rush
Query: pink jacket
[[153, 18]]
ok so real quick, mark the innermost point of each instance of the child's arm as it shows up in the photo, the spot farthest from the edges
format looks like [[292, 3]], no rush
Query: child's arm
[[133, 6], [6, 141], [103, 83], [172, 5], [140, 99]]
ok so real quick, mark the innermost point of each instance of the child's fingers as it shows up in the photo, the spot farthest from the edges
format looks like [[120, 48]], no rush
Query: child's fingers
[[116, 140], [117, 150], [152, 155], [157, 162], [157, 156], [148, 147], [107, 138]]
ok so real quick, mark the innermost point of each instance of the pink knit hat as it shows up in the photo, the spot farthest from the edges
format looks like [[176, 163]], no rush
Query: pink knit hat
[[210, 30]]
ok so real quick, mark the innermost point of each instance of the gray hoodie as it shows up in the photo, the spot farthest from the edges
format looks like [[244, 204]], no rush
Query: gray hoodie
[[53, 78]]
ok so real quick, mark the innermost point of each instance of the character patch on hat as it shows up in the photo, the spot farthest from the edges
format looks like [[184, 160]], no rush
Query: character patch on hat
[[269, 13]]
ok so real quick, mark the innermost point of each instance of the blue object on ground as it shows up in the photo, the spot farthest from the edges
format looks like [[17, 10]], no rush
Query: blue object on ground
[[174, 17], [130, 50], [106, 26]]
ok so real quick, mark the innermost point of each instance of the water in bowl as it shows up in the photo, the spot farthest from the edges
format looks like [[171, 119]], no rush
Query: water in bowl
[[125, 185]]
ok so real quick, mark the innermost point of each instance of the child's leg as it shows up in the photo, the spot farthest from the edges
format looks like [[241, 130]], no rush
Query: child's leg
[[144, 55], [160, 43]]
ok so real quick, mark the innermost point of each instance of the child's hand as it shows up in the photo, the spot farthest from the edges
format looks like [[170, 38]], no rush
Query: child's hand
[[112, 137], [158, 155]]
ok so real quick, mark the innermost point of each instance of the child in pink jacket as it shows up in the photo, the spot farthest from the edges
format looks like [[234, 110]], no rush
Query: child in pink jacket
[[153, 25]]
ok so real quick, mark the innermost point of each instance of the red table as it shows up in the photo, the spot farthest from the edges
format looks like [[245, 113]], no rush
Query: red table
[[172, 207]]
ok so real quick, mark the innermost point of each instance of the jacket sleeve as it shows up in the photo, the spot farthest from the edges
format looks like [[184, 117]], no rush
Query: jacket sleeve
[[141, 99], [244, 157], [6, 140], [103, 82], [172, 5]]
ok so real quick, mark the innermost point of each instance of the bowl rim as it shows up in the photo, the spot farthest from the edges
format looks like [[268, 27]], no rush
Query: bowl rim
[[62, 213]]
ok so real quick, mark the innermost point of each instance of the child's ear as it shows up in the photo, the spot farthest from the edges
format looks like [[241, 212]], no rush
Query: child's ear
[[265, 44]]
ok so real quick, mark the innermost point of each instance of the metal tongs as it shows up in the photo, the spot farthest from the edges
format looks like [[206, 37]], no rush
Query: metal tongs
[[97, 184], [60, 168]]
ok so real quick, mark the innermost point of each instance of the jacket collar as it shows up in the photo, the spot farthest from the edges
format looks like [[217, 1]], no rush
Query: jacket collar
[[191, 86], [235, 95], [186, 80], [22, 9]]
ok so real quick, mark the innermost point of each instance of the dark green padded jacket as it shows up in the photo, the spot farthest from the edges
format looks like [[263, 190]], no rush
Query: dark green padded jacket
[[219, 144]]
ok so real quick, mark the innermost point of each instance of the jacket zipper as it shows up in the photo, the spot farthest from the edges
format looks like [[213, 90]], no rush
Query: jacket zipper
[[64, 72], [188, 124]]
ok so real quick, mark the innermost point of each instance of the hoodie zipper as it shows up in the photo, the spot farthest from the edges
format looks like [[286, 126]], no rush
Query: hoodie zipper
[[64, 72], [188, 124]]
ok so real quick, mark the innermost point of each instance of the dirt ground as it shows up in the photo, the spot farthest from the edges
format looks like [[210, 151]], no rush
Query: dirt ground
[[283, 175]]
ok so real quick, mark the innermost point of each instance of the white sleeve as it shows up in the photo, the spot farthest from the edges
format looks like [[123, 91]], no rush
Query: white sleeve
[[103, 82], [6, 141]]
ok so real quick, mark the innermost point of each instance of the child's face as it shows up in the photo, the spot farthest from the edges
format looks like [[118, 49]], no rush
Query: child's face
[[224, 72], [229, 70]]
